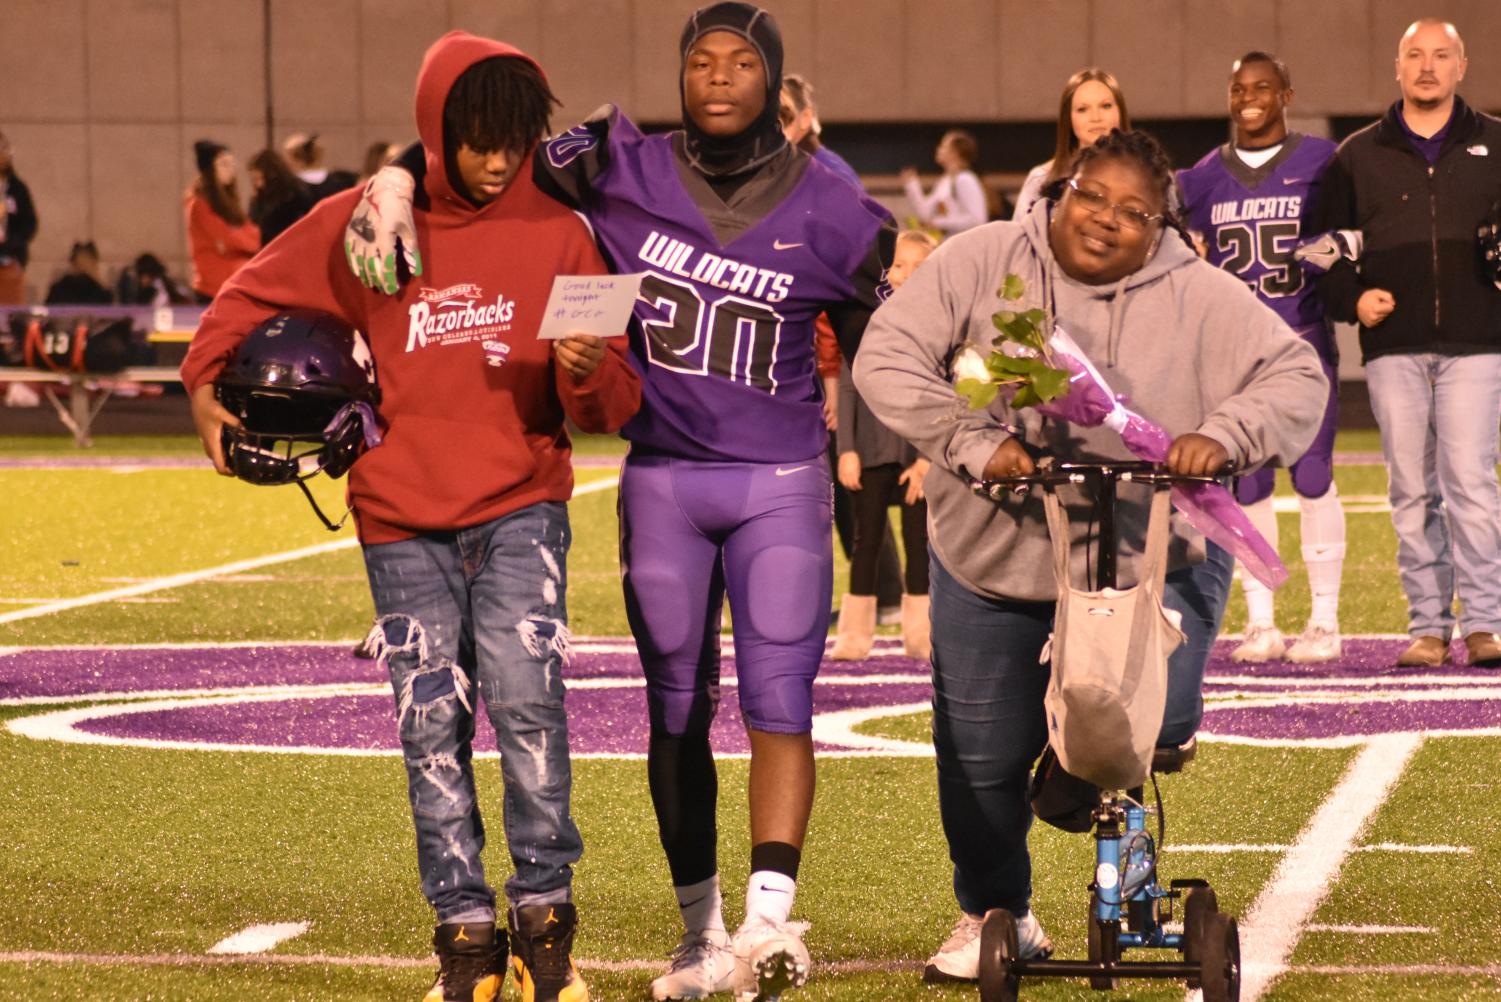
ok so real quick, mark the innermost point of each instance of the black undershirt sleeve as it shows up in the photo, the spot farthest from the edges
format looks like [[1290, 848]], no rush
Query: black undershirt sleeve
[[850, 316]]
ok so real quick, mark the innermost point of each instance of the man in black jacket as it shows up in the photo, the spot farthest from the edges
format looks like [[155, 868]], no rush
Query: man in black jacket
[[1417, 183]]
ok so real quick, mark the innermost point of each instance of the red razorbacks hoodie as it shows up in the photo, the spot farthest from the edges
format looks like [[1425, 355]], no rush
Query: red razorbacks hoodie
[[466, 440]]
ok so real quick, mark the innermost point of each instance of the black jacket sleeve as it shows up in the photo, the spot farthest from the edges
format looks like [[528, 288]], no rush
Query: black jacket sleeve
[[20, 224], [849, 317], [1340, 287]]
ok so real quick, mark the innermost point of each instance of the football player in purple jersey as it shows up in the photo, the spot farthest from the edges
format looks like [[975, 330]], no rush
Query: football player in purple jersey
[[725, 492], [1247, 202]]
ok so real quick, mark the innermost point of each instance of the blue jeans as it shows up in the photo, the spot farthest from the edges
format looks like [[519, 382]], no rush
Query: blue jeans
[[988, 723], [1439, 416], [479, 613]]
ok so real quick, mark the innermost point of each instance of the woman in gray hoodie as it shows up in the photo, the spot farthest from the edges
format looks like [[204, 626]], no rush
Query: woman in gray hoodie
[[1190, 348]]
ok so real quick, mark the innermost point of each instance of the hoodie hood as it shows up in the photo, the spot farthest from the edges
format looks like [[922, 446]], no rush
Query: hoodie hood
[[1172, 253], [442, 65]]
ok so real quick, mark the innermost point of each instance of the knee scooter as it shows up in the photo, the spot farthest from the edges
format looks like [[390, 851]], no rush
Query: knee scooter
[[1128, 907]]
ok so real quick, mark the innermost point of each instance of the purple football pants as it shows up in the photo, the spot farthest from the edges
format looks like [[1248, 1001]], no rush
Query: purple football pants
[[693, 531], [1313, 471]]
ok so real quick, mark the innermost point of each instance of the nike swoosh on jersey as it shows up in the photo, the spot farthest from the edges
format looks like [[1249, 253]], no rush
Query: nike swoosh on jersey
[[796, 469], [778, 245], [1292, 180]]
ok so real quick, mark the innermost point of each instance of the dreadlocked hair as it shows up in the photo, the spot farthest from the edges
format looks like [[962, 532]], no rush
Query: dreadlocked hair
[[500, 103], [1141, 149]]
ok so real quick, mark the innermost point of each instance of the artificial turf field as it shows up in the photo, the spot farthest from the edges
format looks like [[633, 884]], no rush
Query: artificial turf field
[[190, 751]]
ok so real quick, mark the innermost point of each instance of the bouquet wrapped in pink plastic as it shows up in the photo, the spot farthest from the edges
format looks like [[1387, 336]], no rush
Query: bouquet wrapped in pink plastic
[[1210, 508], [1046, 369]]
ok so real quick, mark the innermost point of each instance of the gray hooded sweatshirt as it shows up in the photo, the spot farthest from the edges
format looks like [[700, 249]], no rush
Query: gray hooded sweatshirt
[[1187, 345]]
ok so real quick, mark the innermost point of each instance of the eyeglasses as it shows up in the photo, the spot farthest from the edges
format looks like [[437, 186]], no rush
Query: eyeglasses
[[1094, 203]]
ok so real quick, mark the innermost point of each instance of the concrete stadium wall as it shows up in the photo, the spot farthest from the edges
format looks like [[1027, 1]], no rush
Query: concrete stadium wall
[[104, 98]]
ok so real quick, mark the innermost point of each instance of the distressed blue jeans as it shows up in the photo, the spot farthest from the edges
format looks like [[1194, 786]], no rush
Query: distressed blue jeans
[[989, 726], [1439, 416], [479, 614]]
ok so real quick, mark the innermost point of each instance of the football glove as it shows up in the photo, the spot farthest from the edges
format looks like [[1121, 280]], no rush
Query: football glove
[[381, 227], [1327, 249]]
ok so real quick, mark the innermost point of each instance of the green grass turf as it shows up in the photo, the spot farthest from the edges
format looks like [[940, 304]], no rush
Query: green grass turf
[[121, 850], [127, 850], [79, 531]]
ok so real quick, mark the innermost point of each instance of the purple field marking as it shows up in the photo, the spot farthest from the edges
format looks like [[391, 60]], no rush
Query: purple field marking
[[612, 720]]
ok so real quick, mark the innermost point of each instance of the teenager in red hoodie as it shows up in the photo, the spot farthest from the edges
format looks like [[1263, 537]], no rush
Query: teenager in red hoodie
[[461, 510]]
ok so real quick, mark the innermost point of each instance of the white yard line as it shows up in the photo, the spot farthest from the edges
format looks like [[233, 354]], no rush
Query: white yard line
[[1375, 930], [234, 567], [1224, 849], [1271, 927], [259, 938], [836, 967]]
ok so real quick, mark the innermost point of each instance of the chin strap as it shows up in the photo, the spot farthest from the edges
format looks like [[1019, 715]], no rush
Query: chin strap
[[331, 526]]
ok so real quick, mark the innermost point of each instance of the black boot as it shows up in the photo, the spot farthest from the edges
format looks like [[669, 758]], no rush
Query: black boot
[[471, 963], [541, 952]]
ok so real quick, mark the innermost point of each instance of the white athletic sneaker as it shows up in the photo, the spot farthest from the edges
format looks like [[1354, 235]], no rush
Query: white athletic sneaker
[[702, 965], [958, 959], [770, 958], [1031, 940], [1319, 642], [1263, 643]]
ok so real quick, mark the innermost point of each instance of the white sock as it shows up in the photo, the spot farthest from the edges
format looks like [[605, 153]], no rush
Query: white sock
[[701, 906], [769, 894], [1258, 596], [1323, 524]]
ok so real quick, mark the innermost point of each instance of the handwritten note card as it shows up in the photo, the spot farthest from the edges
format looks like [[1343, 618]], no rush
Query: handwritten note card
[[589, 304]]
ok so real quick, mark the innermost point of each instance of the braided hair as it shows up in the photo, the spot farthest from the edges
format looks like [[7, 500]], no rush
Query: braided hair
[[501, 103], [1139, 148]]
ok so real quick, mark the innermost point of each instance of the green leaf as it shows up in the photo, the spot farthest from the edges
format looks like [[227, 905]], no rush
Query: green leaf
[[1036, 317], [1026, 397], [977, 393], [1013, 287], [1024, 332], [1050, 383], [1012, 365]]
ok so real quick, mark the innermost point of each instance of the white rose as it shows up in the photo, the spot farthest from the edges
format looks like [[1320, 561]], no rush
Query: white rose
[[970, 364]]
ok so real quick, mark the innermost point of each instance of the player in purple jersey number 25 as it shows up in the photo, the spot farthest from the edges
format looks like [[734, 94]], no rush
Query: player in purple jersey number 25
[[1248, 202]]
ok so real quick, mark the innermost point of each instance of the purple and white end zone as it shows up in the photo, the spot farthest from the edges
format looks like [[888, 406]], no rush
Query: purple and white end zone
[[318, 699]]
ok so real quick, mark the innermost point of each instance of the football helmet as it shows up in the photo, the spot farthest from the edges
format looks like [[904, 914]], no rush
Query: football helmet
[[303, 386]]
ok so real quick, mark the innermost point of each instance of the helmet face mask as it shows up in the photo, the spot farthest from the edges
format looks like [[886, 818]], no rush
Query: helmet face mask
[[303, 387]]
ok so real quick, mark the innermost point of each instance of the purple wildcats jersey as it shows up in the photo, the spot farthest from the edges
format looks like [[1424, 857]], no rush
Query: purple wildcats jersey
[[1251, 219], [723, 325]]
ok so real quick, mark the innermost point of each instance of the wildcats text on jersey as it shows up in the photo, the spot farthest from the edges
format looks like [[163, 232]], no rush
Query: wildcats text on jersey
[[686, 261], [1251, 209]]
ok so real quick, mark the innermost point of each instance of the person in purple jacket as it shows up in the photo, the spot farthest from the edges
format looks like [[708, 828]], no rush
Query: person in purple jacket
[[744, 241], [1248, 202]]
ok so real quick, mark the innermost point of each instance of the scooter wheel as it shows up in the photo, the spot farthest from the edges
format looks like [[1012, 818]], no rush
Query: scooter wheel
[[1102, 947], [998, 949], [1200, 903], [1220, 962]]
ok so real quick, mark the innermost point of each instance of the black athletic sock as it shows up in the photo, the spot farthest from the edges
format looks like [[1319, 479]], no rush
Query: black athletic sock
[[685, 795]]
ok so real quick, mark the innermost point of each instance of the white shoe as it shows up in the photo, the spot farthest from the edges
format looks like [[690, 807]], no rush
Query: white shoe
[[958, 959], [1319, 642], [702, 965], [770, 958], [1263, 643], [1031, 940]]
